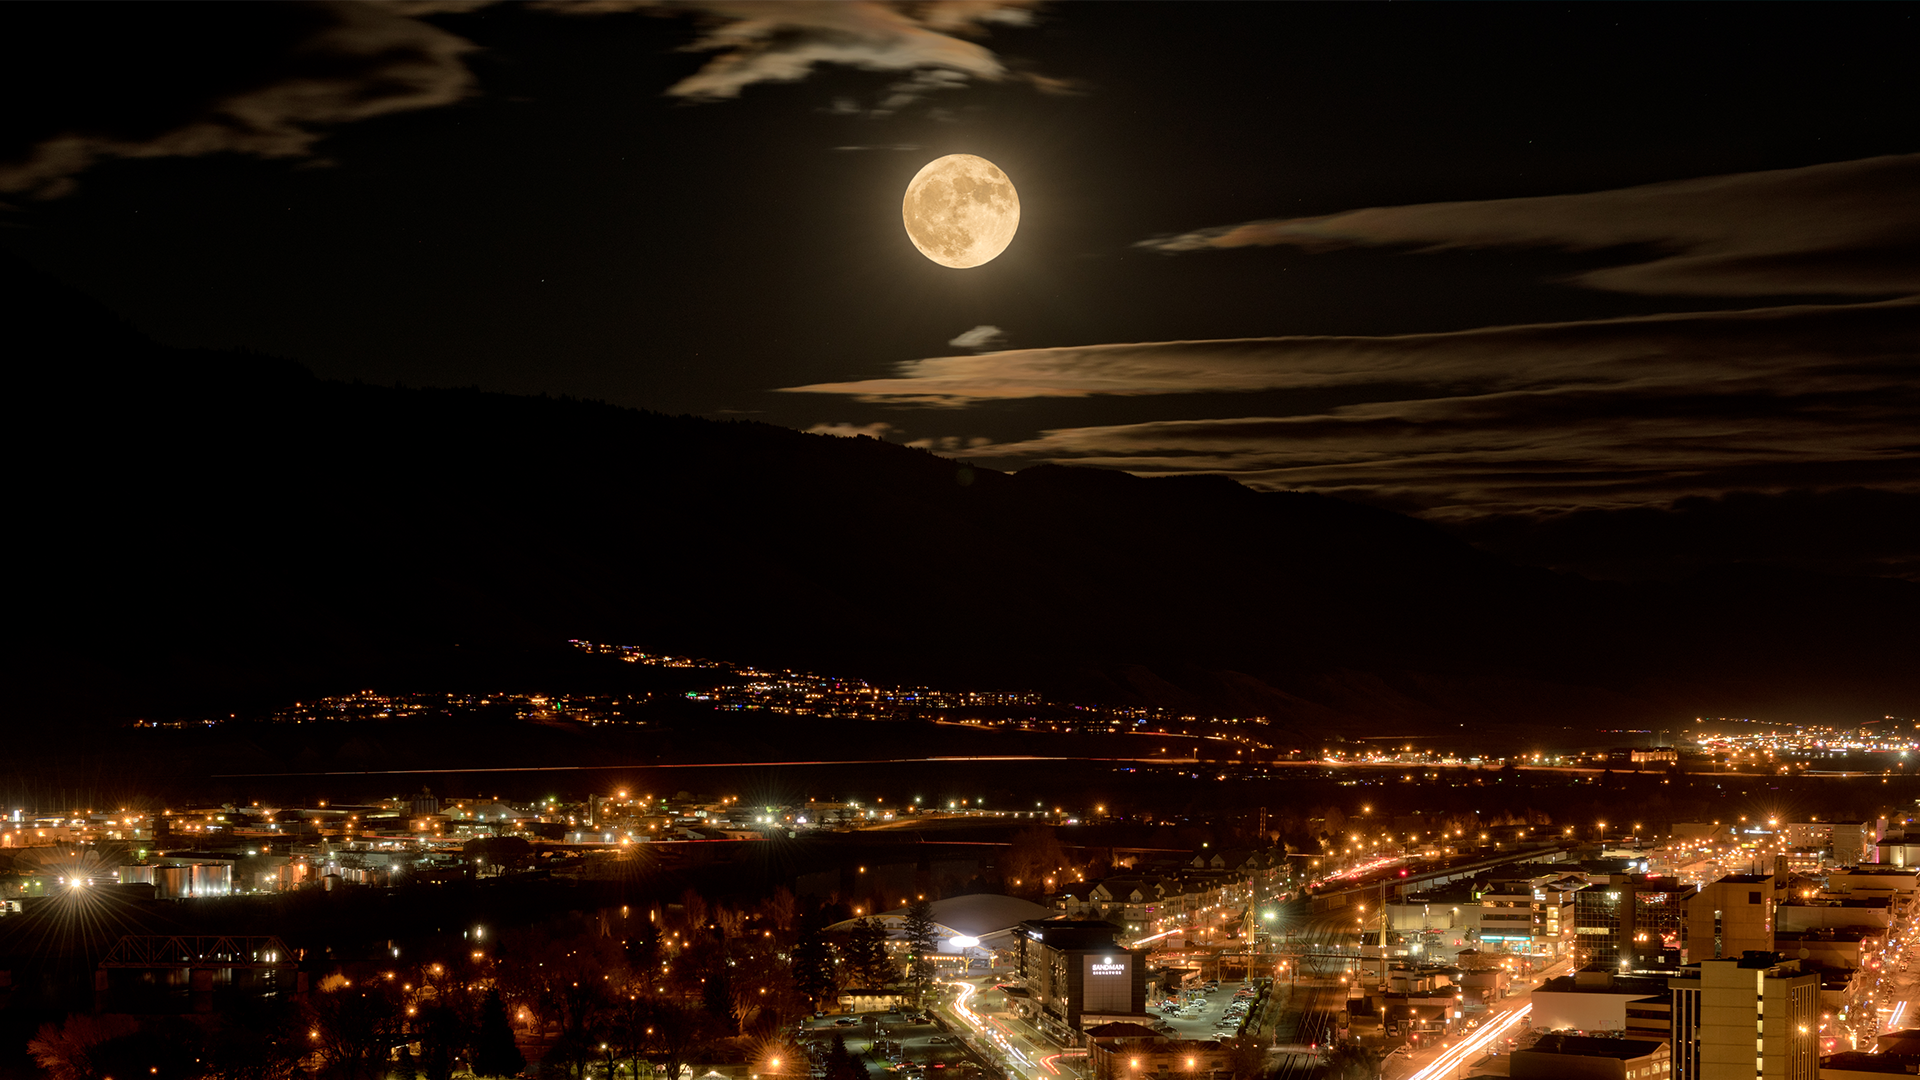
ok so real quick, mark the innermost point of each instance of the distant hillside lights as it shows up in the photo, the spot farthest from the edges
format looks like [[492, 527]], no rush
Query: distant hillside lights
[[800, 693]]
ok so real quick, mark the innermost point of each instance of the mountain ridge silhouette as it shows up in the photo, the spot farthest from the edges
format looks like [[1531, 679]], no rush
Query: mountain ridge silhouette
[[209, 529]]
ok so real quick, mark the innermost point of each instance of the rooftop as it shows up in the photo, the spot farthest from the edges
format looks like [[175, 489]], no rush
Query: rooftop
[[1623, 985], [1591, 1046], [1121, 1029], [1072, 933], [1863, 1061]]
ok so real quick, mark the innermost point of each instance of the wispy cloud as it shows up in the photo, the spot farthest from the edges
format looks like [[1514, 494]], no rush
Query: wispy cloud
[[849, 431], [980, 337], [1603, 413], [1649, 352], [339, 63], [951, 443], [757, 42], [1523, 452], [909, 90], [1846, 228], [277, 79]]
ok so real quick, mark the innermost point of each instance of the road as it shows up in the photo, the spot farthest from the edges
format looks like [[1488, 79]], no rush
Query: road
[[1454, 1055], [1300, 1024], [1884, 995], [1001, 1039]]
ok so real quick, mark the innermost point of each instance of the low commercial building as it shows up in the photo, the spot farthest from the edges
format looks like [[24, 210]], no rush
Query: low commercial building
[[1702, 833], [1534, 916], [1898, 851], [1419, 1013], [1597, 1000], [1559, 1056], [1128, 1051], [1450, 913], [1799, 916], [859, 1000], [1833, 950], [1891, 882], [1861, 1065], [1847, 843]]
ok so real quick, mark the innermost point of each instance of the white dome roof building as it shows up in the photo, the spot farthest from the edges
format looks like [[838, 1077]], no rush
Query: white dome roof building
[[974, 921]]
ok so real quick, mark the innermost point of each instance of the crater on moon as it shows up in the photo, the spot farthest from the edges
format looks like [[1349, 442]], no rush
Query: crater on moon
[[961, 211]]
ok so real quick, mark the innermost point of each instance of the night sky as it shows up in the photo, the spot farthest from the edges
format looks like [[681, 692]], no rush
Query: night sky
[[1565, 278]]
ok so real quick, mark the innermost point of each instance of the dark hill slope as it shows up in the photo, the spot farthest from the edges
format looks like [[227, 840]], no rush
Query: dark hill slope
[[203, 528]]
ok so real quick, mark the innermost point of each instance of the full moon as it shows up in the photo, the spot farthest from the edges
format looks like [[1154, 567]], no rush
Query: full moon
[[961, 211]]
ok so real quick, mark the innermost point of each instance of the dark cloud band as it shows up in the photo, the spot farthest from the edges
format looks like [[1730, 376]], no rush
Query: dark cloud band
[[1850, 228]]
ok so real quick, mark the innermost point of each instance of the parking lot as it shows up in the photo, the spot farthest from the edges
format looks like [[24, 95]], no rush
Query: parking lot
[[1207, 1014], [908, 1047]]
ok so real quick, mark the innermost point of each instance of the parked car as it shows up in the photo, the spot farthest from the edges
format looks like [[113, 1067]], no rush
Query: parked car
[[846, 1021]]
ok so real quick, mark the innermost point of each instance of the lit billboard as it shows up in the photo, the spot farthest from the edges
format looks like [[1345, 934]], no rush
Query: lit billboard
[[1107, 983]]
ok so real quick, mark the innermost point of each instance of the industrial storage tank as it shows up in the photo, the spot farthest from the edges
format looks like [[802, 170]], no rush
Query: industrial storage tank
[[295, 874], [173, 882], [139, 874], [212, 879]]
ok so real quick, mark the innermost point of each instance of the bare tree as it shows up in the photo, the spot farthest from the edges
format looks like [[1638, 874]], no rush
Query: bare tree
[[66, 1050], [358, 1021], [1246, 1058], [1031, 857], [697, 912], [783, 911]]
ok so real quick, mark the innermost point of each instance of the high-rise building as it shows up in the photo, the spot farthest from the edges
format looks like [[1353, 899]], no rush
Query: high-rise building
[[1752, 1018], [1731, 917], [1078, 974], [1632, 922]]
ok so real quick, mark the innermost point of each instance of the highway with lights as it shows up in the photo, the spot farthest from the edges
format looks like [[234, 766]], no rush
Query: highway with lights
[[1019, 1054], [1453, 1055]]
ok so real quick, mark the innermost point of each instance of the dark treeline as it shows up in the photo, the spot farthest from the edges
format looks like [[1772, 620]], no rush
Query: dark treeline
[[716, 972]]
